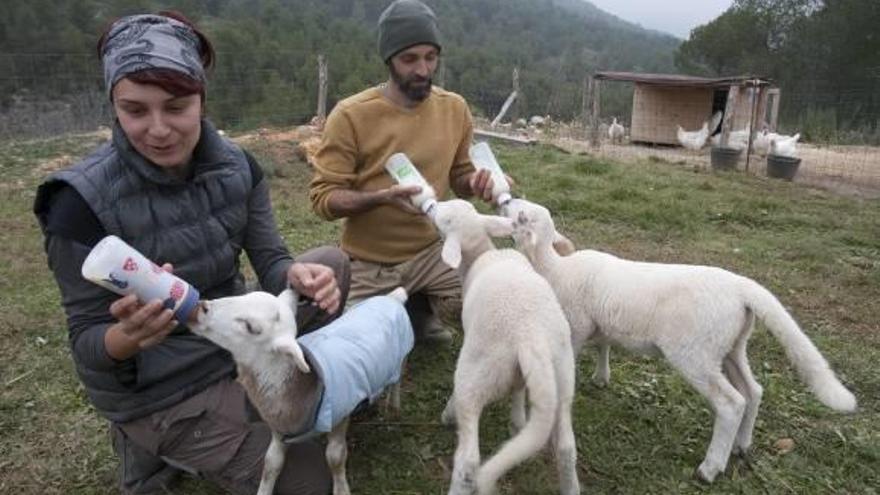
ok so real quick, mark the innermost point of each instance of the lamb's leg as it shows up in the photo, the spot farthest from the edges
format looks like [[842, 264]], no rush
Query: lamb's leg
[[563, 435], [337, 453], [272, 464], [392, 395], [448, 415], [467, 453], [602, 374], [518, 409], [392, 400], [736, 366], [729, 406]]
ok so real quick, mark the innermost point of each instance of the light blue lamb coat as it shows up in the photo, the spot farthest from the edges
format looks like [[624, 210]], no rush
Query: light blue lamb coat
[[356, 357]]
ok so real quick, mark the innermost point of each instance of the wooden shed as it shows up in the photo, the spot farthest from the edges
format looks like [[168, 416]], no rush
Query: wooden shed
[[662, 102]]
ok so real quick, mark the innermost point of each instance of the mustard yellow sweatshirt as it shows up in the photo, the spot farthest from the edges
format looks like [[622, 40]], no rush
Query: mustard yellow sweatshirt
[[361, 133]]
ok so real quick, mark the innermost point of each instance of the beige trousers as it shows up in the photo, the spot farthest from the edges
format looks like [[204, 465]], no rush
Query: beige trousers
[[425, 275]]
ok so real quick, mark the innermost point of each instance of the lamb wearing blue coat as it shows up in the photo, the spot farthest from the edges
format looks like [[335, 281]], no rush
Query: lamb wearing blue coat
[[354, 359]]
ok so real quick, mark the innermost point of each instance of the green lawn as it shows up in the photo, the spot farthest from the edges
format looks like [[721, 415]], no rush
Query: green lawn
[[820, 253]]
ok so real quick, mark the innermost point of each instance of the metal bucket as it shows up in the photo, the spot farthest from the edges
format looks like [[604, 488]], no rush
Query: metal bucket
[[725, 158], [782, 167]]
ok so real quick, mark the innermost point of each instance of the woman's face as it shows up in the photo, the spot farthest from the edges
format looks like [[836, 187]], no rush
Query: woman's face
[[162, 127]]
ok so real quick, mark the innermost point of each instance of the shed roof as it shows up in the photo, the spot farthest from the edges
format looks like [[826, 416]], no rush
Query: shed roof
[[681, 80]]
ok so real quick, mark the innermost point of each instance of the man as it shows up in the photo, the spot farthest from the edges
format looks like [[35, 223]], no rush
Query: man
[[389, 241]]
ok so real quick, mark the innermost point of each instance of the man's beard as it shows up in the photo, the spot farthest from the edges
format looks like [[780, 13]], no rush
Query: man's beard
[[415, 88]]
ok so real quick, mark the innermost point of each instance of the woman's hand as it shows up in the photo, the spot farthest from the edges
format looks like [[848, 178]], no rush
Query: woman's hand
[[317, 282], [140, 325]]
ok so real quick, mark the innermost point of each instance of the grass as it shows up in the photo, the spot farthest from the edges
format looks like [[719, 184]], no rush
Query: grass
[[820, 253]]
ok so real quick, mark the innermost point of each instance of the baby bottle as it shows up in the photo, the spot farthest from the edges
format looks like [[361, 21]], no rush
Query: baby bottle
[[483, 159], [406, 174], [118, 267]]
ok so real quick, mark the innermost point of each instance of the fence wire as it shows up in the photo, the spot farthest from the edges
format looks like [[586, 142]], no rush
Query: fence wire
[[44, 95]]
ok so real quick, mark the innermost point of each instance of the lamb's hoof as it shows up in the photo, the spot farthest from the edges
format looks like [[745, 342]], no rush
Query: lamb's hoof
[[600, 381], [447, 419], [705, 475], [744, 458], [741, 451], [514, 428]]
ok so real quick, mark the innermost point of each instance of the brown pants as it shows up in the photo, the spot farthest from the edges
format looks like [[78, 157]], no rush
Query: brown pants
[[215, 434], [425, 274]]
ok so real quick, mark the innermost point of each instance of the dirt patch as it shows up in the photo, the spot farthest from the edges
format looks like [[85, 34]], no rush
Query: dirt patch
[[52, 165]]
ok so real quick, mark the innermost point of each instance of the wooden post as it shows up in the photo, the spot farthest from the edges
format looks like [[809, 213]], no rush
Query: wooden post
[[322, 88], [509, 100], [756, 95], [729, 114], [774, 109], [585, 109], [761, 112], [594, 113]]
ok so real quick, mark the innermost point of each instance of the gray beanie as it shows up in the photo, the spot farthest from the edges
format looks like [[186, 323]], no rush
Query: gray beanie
[[405, 23]]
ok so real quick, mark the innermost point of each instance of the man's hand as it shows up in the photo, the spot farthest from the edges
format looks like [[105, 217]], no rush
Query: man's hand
[[347, 202], [399, 197], [481, 184], [317, 282]]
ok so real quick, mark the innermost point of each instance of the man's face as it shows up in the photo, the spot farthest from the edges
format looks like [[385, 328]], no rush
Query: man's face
[[412, 70]]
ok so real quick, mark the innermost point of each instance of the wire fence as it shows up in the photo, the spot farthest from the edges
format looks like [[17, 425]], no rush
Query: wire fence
[[44, 95]]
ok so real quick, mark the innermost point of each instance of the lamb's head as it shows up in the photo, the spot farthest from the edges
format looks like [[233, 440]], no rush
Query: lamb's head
[[252, 326], [533, 229], [466, 230]]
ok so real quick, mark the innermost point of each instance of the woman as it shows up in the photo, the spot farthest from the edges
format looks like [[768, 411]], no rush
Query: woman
[[172, 187]]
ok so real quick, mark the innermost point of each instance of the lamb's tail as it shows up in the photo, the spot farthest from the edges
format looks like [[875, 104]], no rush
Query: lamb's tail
[[540, 379], [812, 367]]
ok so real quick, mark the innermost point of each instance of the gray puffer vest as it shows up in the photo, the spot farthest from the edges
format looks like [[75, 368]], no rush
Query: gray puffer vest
[[198, 225]]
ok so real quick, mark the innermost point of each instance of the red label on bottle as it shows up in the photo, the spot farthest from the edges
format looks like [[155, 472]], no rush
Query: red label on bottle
[[130, 265], [177, 290]]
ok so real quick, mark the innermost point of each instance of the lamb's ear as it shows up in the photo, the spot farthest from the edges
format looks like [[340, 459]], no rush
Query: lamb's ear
[[497, 226], [287, 344], [451, 253], [562, 244], [289, 298]]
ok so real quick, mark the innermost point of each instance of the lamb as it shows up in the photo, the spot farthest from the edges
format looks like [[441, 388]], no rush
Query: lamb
[[515, 337], [260, 331], [616, 132], [698, 317]]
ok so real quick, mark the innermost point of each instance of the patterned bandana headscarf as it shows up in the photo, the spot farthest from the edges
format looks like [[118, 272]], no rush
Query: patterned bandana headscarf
[[140, 42]]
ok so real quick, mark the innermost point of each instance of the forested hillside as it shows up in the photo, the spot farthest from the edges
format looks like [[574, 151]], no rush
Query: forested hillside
[[268, 48]]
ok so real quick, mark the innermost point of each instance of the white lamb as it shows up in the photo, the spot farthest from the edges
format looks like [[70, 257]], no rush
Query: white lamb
[[515, 336], [260, 331], [698, 317]]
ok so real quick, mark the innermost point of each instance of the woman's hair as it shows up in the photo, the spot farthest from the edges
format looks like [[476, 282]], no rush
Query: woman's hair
[[174, 82]]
